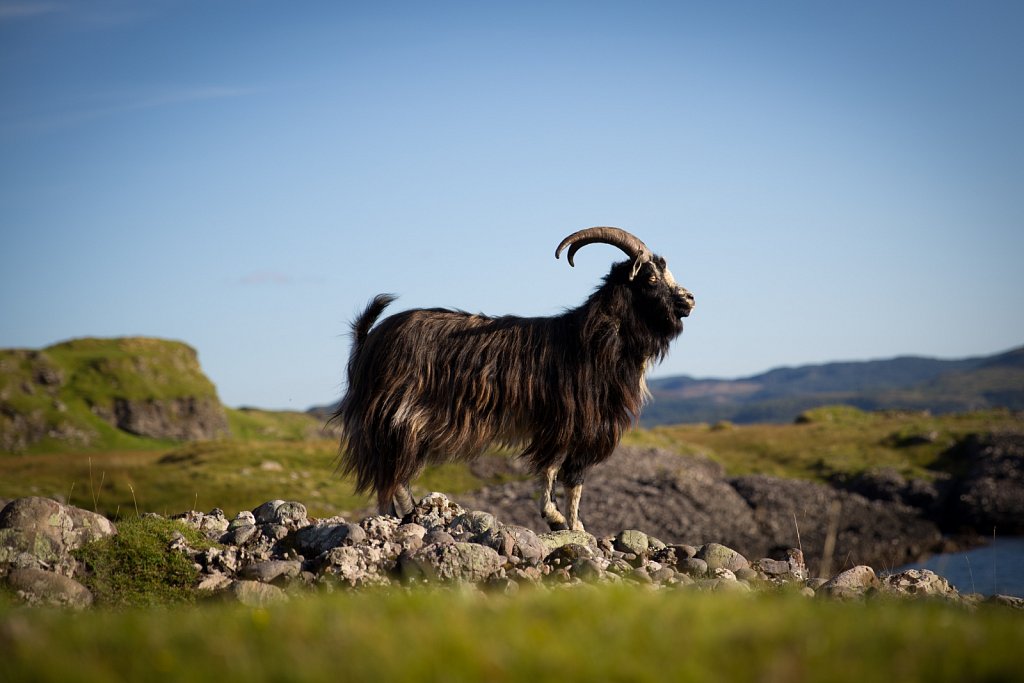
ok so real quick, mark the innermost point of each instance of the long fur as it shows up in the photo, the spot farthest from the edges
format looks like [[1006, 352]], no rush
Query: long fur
[[428, 385]]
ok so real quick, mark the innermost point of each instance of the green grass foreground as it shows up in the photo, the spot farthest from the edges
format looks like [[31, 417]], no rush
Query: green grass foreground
[[562, 635]]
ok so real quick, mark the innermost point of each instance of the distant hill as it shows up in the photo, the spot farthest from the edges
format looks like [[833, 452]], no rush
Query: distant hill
[[910, 383], [92, 392], [125, 393]]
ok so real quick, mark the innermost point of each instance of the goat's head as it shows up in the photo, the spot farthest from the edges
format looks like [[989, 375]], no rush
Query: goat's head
[[655, 289]]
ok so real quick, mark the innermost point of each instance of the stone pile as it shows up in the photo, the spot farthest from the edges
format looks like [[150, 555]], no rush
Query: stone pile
[[264, 555]]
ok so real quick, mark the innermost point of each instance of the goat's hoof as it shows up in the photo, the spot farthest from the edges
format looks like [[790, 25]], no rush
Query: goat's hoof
[[557, 526]]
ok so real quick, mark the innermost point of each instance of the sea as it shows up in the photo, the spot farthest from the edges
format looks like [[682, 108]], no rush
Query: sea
[[993, 569]]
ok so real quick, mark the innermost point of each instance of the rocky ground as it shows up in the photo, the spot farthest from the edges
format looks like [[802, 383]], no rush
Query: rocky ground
[[877, 518], [276, 550], [653, 518]]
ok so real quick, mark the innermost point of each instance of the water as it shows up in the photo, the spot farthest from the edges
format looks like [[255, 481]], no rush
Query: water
[[997, 568]]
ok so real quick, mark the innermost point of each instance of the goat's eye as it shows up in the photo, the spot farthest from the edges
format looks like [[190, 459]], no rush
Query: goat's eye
[[652, 278]]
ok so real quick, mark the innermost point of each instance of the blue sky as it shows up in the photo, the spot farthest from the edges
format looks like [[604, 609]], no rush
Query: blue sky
[[833, 181]]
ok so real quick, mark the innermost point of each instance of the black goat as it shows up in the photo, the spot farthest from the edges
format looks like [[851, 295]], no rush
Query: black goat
[[428, 385]]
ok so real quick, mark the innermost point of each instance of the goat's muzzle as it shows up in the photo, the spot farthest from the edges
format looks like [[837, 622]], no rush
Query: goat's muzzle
[[683, 302]]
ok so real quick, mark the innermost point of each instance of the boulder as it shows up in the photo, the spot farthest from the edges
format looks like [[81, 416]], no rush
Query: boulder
[[852, 583], [36, 586], [451, 563]]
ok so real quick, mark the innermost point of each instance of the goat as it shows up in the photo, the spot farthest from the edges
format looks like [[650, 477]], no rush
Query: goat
[[429, 385]]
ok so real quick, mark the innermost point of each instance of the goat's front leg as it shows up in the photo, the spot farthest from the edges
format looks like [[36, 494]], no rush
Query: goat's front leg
[[572, 496], [548, 509]]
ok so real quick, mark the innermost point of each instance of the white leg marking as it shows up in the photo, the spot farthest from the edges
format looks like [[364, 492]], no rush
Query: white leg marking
[[573, 495], [548, 509]]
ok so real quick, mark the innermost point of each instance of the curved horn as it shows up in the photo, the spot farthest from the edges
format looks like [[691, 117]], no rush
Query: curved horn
[[617, 237]]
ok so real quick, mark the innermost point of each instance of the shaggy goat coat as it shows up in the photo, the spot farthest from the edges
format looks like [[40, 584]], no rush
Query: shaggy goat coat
[[429, 385]]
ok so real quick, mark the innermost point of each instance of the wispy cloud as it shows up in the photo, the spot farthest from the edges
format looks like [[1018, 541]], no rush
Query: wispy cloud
[[10, 11], [125, 102]]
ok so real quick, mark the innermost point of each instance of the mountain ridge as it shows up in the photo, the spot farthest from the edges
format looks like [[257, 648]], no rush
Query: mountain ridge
[[903, 382]]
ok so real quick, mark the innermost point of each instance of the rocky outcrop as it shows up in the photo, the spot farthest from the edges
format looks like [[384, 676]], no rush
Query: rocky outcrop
[[179, 419], [264, 555], [147, 387], [990, 498], [676, 498], [987, 498]]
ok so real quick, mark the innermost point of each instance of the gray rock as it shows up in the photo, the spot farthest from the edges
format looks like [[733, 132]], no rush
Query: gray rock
[[663, 575], [434, 509], [42, 533], [451, 563], [723, 573], [316, 539], [852, 583], [992, 493], [380, 529], [239, 535], [36, 586], [693, 566], [555, 539], [746, 574], [289, 514], [619, 567], [1007, 601], [920, 582], [722, 585], [632, 541], [88, 526], [718, 556], [683, 551], [243, 518], [639, 575], [409, 536], [273, 532], [358, 565], [527, 545], [269, 571], [214, 582], [588, 570], [438, 536], [472, 523], [567, 555], [255, 594]]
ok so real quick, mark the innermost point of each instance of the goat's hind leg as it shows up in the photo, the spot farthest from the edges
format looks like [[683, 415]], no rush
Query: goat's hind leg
[[399, 504], [548, 510], [402, 502]]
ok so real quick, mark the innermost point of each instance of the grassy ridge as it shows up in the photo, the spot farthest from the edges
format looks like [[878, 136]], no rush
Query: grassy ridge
[[60, 391], [585, 634], [832, 440], [273, 458]]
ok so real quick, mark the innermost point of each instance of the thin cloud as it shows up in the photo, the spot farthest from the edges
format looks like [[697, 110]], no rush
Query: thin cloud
[[139, 100], [10, 11]]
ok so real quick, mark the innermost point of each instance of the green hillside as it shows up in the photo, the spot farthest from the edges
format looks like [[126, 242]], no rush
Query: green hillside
[[126, 393]]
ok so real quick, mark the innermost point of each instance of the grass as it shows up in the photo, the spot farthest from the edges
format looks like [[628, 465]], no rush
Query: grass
[[135, 568], [830, 441], [585, 634], [274, 457]]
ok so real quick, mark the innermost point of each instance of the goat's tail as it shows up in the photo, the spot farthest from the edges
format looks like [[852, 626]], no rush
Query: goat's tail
[[361, 325]]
